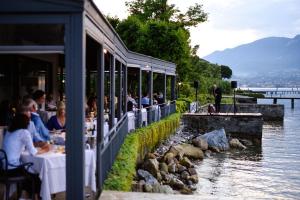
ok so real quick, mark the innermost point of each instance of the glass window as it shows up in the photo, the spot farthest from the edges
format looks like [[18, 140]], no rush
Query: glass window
[[31, 34]]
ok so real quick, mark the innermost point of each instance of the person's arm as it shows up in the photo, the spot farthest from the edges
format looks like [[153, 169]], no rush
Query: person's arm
[[26, 138], [44, 149], [44, 132]]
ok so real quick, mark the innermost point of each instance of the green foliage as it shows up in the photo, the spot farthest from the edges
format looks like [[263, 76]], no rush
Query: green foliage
[[181, 106], [159, 29], [114, 21], [193, 16], [133, 150], [226, 72], [160, 10]]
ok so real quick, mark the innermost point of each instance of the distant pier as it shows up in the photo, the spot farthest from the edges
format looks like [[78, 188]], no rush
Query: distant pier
[[284, 93]]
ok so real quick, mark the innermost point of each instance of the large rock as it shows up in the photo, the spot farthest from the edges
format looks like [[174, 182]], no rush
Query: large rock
[[194, 178], [176, 184], [150, 156], [147, 177], [201, 143], [138, 186], [235, 143], [169, 157], [189, 151], [181, 168], [186, 162], [166, 189], [186, 190], [152, 166], [166, 177], [184, 175], [163, 167], [246, 142], [172, 168], [216, 139], [148, 187], [192, 171]]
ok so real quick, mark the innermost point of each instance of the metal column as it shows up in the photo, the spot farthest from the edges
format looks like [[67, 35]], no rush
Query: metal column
[[150, 92], [75, 93], [112, 93], [173, 83], [140, 74], [120, 91], [125, 88], [165, 88], [100, 115]]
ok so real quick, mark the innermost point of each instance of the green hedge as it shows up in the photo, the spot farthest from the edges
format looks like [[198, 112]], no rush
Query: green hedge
[[135, 147]]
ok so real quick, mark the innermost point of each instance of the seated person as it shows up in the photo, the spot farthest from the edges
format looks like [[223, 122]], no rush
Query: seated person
[[50, 103], [31, 127], [92, 105], [160, 99], [39, 97], [42, 131], [16, 139], [58, 122]]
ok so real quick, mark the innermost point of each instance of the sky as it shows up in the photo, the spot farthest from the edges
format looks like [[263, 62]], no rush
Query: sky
[[230, 22]]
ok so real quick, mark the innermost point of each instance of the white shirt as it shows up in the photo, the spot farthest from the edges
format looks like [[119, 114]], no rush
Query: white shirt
[[14, 144]]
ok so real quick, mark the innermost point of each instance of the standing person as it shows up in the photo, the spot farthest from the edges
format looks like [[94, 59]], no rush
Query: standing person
[[131, 103], [217, 92], [145, 101], [39, 97]]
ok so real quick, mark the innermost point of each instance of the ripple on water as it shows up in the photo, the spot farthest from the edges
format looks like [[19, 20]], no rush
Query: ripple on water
[[269, 172]]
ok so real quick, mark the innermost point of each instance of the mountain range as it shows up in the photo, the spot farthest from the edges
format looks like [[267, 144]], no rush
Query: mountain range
[[263, 56]]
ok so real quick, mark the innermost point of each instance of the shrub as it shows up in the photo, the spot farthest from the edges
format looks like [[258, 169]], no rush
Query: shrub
[[135, 147]]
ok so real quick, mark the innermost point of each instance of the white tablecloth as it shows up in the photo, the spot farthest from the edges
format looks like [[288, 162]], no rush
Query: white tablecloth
[[131, 121], [157, 112], [144, 116], [52, 171], [106, 132]]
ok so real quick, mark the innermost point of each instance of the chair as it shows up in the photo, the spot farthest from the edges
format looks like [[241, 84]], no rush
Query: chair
[[8, 178]]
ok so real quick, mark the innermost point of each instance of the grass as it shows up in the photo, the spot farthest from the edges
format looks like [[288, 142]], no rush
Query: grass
[[133, 150]]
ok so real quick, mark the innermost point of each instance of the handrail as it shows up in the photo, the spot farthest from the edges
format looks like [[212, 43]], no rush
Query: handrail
[[111, 133], [138, 109]]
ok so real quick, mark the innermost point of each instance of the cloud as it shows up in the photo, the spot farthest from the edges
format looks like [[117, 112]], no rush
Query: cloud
[[231, 22], [211, 39]]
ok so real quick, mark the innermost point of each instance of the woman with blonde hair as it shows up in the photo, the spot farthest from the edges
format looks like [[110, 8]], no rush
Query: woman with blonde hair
[[58, 122]]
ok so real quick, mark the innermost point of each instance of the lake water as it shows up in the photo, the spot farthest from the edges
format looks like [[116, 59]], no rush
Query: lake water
[[269, 172]]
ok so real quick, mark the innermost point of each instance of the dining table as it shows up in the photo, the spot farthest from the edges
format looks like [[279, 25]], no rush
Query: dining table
[[51, 167]]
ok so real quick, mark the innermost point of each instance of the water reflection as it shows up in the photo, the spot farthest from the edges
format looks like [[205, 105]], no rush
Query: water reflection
[[271, 171]]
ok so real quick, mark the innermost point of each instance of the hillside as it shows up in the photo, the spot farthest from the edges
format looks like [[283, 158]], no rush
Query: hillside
[[272, 54]]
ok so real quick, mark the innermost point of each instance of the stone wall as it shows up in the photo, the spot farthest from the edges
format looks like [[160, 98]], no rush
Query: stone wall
[[270, 112], [240, 125]]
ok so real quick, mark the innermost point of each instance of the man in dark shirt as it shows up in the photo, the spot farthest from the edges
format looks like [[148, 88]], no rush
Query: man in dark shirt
[[217, 92]]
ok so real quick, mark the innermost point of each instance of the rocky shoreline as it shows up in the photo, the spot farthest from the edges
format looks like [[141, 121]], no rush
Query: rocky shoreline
[[171, 169]]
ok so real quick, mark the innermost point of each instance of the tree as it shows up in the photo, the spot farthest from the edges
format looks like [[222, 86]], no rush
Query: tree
[[226, 72], [161, 10], [114, 21], [159, 29]]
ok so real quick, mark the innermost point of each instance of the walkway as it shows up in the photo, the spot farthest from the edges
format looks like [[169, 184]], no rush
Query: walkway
[[113, 195]]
